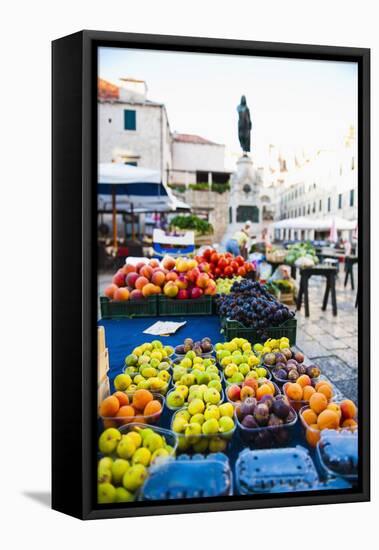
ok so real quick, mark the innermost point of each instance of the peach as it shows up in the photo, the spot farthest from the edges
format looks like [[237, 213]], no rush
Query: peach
[[211, 288], [110, 290], [146, 271], [348, 409], [321, 383], [307, 392], [312, 435], [234, 392], [304, 380], [262, 390], [202, 280], [154, 263], [119, 278], [170, 289], [149, 290], [246, 391], [294, 391], [141, 398], [110, 406], [153, 407], [349, 423], [327, 390], [122, 397], [127, 413], [136, 295], [334, 407], [328, 419], [252, 382], [182, 282], [168, 262], [141, 282], [131, 279], [158, 278], [309, 417], [121, 295], [318, 402], [172, 276], [128, 268], [139, 266]]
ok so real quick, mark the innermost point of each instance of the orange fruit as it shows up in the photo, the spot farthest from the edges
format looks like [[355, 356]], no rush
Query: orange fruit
[[304, 380], [312, 435], [321, 383], [327, 390], [294, 391], [318, 402], [348, 409], [127, 413], [141, 398], [307, 392], [122, 397], [309, 417], [349, 423], [328, 419], [334, 407], [152, 408], [110, 406]]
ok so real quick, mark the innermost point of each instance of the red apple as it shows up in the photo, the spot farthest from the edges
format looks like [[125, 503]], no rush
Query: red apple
[[183, 294], [131, 279], [202, 280], [119, 278], [193, 274], [110, 290], [205, 267], [136, 295], [196, 292]]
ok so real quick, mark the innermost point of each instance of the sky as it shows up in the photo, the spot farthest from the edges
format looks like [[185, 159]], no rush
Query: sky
[[294, 104]]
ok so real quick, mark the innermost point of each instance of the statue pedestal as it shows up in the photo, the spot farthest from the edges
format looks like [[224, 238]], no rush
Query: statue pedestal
[[244, 201]]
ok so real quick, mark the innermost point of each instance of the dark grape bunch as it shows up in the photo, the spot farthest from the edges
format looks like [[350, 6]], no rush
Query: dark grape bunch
[[252, 305]]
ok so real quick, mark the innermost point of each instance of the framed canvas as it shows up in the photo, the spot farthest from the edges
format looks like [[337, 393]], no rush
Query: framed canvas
[[211, 274]]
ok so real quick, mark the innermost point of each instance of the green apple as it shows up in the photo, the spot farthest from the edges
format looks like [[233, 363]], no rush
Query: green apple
[[153, 442], [226, 409], [108, 440], [196, 406], [211, 411]]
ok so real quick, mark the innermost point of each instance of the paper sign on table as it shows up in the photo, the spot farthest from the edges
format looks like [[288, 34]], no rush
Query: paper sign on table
[[162, 328]]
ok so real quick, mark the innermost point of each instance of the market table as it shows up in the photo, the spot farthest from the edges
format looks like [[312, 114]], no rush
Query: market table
[[274, 265], [306, 273], [123, 335], [349, 270]]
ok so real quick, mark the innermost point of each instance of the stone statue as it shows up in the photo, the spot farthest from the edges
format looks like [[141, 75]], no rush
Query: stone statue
[[244, 125]]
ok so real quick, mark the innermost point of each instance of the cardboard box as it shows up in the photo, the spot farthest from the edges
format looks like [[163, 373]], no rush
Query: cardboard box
[[102, 364]]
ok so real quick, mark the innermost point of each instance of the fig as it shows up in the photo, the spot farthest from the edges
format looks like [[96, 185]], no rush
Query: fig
[[313, 371], [261, 414], [280, 365], [249, 422], [280, 358], [269, 359], [281, 374], [206, 347], [180, 350], [302, 369], [263, 439], [299, 356], [293, 375], [268, 400], [280, 408], [248, 406], [274, 420], [197, 349], [188, 342], [292, 362], [287, 353], [187, 347]]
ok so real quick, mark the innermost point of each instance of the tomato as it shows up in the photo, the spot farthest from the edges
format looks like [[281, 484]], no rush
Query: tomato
[[207, 254], [214, 258], [248, 267], [241, 271], [217, 272], [228, 255], [234, 265], [222, 263], [240, 260], [228, 271]]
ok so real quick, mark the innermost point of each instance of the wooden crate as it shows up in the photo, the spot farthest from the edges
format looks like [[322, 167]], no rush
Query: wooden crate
[[102, 364]]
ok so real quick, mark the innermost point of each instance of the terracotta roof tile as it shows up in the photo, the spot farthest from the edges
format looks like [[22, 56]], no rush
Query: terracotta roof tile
[[191, 138]]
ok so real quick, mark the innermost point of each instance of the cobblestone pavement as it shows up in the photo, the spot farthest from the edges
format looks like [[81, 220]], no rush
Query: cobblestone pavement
[[328, 341], [332, 342]]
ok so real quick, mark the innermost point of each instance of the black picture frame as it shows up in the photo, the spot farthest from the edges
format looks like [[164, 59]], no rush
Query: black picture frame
[[74, 268]]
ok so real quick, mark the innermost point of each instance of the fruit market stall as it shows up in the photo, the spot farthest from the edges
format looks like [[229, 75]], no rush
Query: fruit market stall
[[227, 391]]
